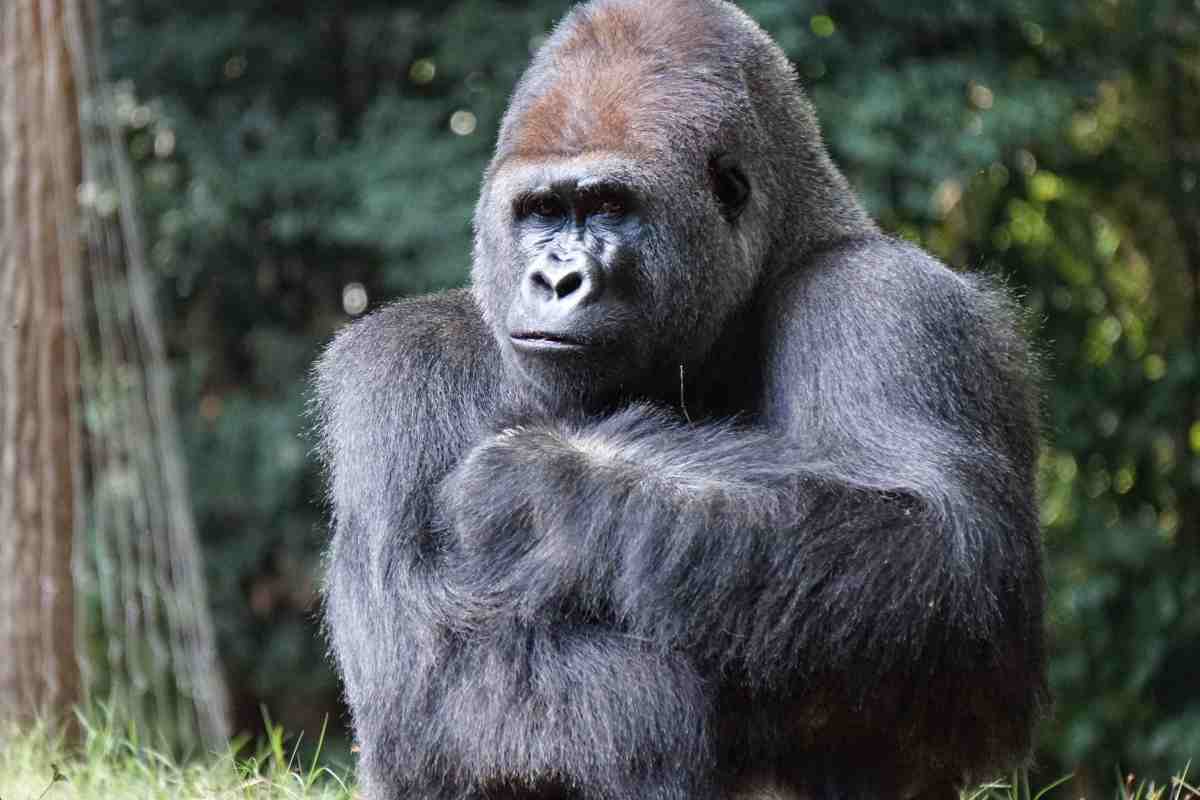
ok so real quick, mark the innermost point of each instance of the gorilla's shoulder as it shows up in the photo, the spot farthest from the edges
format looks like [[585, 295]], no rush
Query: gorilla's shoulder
[[429, 344], [884, 276], [418, 332]]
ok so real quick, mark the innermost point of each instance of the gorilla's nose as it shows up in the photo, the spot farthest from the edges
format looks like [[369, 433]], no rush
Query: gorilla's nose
[[563, 282], [560, 282]]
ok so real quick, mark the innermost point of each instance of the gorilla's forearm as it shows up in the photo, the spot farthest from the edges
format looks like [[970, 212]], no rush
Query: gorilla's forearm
[[534, 705], [741, 548]]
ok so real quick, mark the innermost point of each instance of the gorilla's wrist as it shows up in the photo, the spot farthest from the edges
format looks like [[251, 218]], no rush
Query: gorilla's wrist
[[516, 480], [516, 549]]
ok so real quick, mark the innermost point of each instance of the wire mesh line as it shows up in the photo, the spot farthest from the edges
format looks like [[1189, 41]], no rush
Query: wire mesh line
[[144, 636]]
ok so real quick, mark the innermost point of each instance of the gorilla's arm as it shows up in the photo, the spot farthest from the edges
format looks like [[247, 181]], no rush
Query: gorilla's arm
[[400, 397], [878, 518]]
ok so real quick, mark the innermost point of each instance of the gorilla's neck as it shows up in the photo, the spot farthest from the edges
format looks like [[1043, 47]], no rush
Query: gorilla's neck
[[720, 385]]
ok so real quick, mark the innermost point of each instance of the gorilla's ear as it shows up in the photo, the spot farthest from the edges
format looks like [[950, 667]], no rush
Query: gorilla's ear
[[729, 184]]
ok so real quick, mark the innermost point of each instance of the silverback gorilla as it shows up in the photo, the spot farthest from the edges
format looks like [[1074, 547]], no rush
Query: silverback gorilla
[[705, 489]]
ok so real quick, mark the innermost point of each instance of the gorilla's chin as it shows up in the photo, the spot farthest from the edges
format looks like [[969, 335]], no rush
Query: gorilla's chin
[[565, 378]]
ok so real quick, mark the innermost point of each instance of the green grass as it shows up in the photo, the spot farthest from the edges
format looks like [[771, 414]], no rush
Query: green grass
[[110, 764], [1128, 788]]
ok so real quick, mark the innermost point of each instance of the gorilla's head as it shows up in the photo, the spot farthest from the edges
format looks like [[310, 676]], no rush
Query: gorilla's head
[[656, 162]]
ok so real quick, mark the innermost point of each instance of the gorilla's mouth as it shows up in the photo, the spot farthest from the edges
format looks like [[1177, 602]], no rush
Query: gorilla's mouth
[[546, 341]]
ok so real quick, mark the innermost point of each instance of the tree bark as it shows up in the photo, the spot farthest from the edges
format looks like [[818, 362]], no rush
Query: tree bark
[[40, 256]]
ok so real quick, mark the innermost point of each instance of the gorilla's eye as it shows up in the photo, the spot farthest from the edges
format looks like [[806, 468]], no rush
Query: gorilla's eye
[[611, 207], [729, 185], [544, 206]]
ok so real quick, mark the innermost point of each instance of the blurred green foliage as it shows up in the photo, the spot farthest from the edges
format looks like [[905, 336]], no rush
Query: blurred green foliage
[[300, 160]]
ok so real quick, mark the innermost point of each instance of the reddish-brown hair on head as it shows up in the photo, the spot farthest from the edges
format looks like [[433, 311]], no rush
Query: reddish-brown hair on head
[[627, 76]]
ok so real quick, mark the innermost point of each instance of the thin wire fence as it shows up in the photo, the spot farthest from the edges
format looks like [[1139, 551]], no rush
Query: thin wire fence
[[144, 634]]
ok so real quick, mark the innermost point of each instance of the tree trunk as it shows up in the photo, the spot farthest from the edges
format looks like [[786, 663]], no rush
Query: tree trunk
[[40, 257]]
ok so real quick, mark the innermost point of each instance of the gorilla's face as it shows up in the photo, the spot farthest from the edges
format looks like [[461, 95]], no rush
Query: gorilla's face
[[634, 199], [573, 299], [606, 276]]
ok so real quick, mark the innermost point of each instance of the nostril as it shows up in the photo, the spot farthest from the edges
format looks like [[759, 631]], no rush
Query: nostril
[[561, 284], [542, 282], [568, 283]]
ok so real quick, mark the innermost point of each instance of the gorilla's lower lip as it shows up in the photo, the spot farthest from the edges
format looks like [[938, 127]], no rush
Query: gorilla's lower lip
[[546, 342]]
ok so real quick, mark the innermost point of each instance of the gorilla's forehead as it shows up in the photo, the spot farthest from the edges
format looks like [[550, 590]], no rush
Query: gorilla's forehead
[[519, 173]]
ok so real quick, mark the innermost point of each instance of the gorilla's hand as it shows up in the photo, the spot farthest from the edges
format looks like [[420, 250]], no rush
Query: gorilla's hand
[[655, 490], [519, 542]]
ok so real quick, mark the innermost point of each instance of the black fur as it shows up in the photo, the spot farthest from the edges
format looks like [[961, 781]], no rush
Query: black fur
[[788, 545]]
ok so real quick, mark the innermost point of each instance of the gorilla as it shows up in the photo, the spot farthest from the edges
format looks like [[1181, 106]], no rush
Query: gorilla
[[705, 488]]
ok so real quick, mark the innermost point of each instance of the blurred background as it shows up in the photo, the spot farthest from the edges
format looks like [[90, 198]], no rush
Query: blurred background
[[299, 164]]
